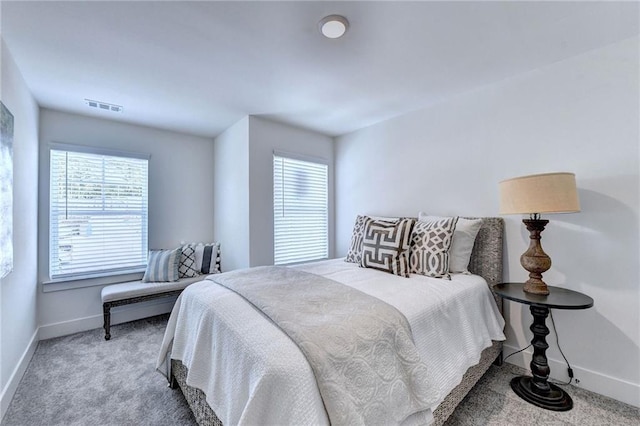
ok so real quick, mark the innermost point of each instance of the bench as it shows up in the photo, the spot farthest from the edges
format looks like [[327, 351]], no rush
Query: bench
[[138, 291]]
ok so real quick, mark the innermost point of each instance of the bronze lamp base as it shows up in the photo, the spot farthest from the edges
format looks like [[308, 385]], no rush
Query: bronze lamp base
[[535, 260]]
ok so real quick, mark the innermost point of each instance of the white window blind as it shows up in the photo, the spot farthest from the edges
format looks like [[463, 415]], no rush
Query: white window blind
[[98, 213], [301, 213]]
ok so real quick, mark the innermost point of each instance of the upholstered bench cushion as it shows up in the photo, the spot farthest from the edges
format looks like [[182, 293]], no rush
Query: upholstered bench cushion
[[133, 289]]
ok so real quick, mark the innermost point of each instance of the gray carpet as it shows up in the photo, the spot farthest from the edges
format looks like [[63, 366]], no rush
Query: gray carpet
[[492, 402], [84, 380]]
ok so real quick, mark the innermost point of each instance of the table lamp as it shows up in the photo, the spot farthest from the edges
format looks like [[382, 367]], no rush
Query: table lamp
[[534, 195]]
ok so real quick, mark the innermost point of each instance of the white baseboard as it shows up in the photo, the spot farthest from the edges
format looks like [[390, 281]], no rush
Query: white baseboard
[[119, 315], [613, 387], [12, 385]]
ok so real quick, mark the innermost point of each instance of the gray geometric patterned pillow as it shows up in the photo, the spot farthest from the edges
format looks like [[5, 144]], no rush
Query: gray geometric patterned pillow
[[354, 255], [187, 267], [385, 245], [430, 243]]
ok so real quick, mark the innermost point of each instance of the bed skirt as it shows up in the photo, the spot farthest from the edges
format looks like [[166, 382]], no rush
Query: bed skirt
[[206, 417]]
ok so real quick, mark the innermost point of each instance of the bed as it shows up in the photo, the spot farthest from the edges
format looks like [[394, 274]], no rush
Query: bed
[[222, 353]]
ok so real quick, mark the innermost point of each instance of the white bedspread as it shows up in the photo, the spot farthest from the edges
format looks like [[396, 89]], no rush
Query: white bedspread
[[252, 373]]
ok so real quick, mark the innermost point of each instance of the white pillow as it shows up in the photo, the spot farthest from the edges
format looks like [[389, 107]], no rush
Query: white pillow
[[464, 237]]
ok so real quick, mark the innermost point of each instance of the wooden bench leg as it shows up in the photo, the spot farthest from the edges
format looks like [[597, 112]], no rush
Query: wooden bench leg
[[106, 308]]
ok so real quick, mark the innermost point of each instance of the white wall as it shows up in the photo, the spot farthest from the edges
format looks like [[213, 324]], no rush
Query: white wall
[[244, 186], [18, 290], [231, 195], [265, 137], [579, 115], [180, 209]]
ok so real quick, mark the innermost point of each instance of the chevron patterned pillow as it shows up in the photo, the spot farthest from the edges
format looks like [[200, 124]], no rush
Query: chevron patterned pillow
[[385, 245], [430, 243]]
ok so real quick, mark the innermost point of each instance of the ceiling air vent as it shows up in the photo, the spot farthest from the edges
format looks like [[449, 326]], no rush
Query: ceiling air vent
[[103, 105]]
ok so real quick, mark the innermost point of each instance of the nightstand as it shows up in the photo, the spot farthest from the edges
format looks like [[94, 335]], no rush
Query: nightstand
[[537, 390]]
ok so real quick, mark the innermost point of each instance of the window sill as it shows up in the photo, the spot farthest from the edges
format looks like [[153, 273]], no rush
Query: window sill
[[302, 262], [83, 281]]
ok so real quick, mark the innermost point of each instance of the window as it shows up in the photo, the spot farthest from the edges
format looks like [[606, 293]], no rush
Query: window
[[300, 210], [98, 212]]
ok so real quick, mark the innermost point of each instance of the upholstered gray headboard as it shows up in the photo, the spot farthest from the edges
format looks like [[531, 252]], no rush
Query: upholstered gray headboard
[[486, 257]]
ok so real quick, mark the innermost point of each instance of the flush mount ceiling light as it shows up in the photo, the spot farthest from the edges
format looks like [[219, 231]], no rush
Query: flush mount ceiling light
[[333, 26]]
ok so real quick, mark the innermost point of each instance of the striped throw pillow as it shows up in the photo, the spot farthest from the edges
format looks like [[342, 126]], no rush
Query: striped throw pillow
[[207, 258], [162, 266]]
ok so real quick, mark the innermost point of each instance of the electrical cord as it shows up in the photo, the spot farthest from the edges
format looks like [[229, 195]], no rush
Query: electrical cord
[[516, 352], [569, 369]]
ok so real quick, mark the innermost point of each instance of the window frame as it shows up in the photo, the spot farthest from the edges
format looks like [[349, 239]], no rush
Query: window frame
[[316, 161], [88, 276]]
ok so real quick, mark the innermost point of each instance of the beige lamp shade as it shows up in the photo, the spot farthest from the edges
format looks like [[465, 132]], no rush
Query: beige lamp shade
[[544, 193]]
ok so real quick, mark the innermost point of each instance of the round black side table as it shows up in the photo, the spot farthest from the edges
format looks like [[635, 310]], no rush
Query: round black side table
[[537, 390]]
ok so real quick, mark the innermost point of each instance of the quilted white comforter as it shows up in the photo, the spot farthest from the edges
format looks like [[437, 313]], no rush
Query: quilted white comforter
[[252, 373]]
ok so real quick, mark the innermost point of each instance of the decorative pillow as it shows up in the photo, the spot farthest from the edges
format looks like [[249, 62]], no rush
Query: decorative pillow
[[187, 267], [430, 243], [162, 266], [463, 239], [385, 245], [354, 255], [207, 258]]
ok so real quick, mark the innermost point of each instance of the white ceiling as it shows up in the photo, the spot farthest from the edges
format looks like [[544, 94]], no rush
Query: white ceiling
[[198, 67]]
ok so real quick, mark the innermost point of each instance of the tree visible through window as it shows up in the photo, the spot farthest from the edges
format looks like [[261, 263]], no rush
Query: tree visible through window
[[300, 210], [98, 213]]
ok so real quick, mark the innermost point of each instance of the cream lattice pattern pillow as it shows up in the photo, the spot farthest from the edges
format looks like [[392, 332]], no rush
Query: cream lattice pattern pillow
[[430, 243]]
